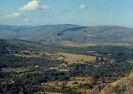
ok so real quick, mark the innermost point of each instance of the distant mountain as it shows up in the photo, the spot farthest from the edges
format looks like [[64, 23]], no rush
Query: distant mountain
[[68, 32]]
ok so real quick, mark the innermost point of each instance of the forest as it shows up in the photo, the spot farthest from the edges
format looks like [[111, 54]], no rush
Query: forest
[[25, 66]]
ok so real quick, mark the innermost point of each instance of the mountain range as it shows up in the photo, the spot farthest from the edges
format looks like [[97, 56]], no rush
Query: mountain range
[[68, 32]]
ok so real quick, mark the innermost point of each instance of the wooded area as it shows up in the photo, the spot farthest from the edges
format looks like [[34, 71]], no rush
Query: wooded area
[[111, 61]]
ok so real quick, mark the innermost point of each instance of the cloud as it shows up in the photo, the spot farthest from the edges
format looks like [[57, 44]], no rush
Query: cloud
[[13, 15], [82, 6], [14, 18], [33, 5], [105, 7], [26, 20]]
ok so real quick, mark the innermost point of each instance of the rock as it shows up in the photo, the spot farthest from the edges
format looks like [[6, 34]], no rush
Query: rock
[[124, 86], [97, 89], [107, 89]]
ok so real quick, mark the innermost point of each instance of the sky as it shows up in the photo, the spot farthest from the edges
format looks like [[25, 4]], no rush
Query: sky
[[79, 12]]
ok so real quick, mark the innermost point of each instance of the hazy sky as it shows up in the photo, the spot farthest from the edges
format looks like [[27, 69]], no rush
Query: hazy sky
[[80, 12]]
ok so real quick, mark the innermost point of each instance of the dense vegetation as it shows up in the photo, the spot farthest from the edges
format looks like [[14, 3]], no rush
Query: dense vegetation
[[37, 68], [119, 53], [33, 80], [103, 70], [15, 62]]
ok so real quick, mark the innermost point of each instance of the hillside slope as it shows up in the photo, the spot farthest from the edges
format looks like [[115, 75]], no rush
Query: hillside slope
[[122, 86], [68, 32]]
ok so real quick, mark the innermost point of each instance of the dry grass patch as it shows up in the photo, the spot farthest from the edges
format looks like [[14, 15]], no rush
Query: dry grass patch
[[79, 80], [47, 84], [21, 69], [90, 51], [114, 83], [53, 93], [116, 44], [131, 61], [70, 58], [53, 68], [73, 58], [70, 83], [74, 44]]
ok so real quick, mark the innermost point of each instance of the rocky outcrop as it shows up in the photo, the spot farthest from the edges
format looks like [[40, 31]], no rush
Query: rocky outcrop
[[124, 86], [97, 89]]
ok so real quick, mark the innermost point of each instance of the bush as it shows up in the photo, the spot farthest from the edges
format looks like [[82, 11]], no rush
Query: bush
[[87, 85], [93, 83]]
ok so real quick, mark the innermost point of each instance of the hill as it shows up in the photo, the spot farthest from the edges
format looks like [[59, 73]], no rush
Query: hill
[[68, 32], [121, 86]]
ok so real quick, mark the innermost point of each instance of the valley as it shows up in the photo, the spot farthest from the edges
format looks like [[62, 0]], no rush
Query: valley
[[66, 46], [64, 66]]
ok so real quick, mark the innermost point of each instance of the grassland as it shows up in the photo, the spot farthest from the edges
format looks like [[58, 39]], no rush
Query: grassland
[[116, 44], [69, 43], [71, 58], [21, 69], [74, 58], [52, 93]]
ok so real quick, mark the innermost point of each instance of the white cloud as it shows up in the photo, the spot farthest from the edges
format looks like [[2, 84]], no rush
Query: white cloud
[[14, 18], [26, 20], [33, 5], [13, 15], [105, 7], [82, 6]]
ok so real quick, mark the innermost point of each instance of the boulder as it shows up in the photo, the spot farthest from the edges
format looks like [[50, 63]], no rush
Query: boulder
[[97, 89]]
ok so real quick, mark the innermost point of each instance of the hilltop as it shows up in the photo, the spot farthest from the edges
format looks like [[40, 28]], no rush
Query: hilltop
[[68, 32]]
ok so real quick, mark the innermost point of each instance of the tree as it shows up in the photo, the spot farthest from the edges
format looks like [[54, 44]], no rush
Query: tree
[[63, 85], [21, 91], [69, 74], [75, 83], [103, 80], [97, 58], [87, 86], [56, 83], [80, 85], [82, 60], [66, 63], [94, 78], [102, 59], [82, 74]]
